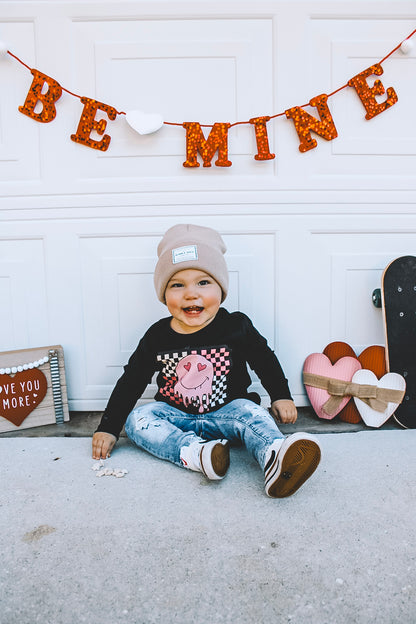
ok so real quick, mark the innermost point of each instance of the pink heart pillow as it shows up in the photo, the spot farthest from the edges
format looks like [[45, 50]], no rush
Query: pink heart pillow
[[320, 364]]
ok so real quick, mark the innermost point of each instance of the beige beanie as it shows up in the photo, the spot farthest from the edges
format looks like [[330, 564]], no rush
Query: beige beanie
[[190, 247]]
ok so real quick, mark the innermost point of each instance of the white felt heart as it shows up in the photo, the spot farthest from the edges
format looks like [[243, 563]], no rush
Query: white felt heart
[[144, 123], [392, 381]]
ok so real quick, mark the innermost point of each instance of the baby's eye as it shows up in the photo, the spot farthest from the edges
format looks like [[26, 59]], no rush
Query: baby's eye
[[204, 282], [175, 285]]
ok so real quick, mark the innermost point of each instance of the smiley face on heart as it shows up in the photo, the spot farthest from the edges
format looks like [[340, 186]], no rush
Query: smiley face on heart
[[21, 393]]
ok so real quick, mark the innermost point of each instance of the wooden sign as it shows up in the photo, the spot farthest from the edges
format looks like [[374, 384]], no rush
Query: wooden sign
[[32, 388]]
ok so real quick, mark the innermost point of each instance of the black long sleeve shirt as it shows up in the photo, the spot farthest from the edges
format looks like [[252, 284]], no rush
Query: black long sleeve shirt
[[197, 372]]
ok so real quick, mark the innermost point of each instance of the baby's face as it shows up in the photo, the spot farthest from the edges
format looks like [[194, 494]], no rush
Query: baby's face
[[193, 298]]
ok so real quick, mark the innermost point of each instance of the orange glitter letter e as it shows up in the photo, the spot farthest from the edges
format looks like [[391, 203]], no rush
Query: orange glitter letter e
[[88, 123], [367, 94]]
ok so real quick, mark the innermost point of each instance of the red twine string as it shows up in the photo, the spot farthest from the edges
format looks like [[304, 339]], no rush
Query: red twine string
[[236, 123]]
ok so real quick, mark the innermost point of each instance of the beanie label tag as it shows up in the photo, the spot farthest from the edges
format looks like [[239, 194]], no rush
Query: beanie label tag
[[183, 254]]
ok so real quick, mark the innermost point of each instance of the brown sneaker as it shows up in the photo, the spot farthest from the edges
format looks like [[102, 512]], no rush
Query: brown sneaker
[[212, 458], [288, 467]]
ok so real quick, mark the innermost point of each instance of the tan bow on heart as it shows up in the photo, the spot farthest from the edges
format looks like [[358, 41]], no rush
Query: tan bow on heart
[[377, 398]]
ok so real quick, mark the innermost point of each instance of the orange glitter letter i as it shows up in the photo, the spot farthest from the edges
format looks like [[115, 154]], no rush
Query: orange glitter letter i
[[263, 151]]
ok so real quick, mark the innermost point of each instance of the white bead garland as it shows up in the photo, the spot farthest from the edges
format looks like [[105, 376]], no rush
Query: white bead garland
[[12, 370]]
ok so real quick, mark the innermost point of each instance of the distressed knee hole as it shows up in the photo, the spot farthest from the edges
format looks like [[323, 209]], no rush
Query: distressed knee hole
[[144, 423]]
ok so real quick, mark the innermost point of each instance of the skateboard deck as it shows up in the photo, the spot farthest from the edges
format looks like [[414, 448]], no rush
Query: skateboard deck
[[398, 291]]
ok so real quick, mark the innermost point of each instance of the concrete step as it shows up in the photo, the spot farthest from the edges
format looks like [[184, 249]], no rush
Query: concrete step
[[83, 424]]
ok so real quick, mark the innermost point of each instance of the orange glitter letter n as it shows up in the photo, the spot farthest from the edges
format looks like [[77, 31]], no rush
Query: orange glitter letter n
[[48, 99], [196, 142], [304, 123]]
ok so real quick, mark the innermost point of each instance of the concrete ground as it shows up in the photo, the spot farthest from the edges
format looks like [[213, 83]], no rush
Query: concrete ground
[[163, 544]]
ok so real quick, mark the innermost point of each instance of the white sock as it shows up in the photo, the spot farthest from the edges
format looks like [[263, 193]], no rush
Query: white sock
[[189, 456]]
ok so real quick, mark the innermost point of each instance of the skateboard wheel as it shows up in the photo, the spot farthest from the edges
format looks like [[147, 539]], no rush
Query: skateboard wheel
[[376, 297]]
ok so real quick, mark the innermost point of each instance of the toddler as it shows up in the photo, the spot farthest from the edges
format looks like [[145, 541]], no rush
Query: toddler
[[201, 352]]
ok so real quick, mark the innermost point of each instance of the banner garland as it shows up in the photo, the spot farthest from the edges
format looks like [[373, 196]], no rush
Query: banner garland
[[217, 140]]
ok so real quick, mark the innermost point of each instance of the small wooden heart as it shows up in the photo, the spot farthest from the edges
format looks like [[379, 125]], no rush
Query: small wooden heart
[[21, 393], [336, 350], [374, 359], [392, 381], [144, 123]]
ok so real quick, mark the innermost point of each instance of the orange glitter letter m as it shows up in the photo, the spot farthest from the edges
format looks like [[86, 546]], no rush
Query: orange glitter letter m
[[304, 123], [196, 142], [48, 99], [88, 123]]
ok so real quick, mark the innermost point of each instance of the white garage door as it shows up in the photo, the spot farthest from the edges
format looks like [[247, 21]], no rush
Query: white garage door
[[308, 234]]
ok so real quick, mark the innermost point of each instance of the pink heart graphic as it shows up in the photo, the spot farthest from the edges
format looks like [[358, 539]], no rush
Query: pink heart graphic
[[187, 366], [320, 364], [201, 367]]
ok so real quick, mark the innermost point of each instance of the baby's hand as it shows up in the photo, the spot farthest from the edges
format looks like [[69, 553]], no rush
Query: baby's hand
[[102, 444], [284, 411]]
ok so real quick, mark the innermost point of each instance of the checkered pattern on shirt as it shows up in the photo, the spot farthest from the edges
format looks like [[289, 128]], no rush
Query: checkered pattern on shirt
[[220, 359]]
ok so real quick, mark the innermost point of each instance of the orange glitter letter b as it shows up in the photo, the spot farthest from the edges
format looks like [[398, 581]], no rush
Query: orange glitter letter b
[[88, 123], [48, 99], [367, 94], [196, 142], [304, 123]]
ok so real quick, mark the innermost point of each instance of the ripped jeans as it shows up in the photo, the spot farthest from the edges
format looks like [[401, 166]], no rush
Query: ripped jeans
[[163, 430]]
